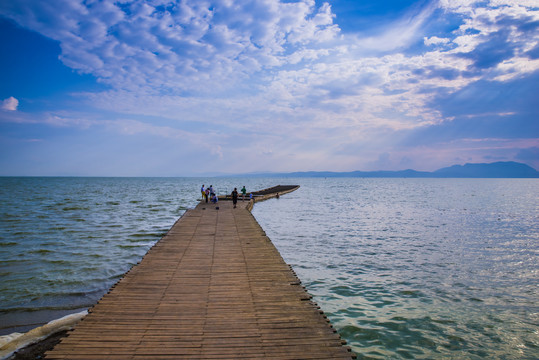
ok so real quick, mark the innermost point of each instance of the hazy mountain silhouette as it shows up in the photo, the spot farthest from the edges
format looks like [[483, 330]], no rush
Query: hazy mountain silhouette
[[502, 169], [507, 169]]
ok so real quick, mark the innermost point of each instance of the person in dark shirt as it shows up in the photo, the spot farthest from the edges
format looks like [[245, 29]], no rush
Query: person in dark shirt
[[235, 197]]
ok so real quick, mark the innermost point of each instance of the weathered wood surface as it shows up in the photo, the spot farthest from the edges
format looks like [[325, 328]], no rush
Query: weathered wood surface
[[214, 287]]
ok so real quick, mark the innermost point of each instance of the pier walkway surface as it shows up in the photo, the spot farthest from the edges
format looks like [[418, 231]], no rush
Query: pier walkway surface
[[214, 287]]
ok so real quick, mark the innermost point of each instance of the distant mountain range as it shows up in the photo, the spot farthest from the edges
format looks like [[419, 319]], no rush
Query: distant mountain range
[[502, 169]]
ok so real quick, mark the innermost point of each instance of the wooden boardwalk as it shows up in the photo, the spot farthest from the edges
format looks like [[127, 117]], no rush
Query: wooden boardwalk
[[214, 287]]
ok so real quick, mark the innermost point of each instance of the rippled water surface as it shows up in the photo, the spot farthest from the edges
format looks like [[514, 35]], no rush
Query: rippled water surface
[[65, 241], [417, 268], [404, 268]]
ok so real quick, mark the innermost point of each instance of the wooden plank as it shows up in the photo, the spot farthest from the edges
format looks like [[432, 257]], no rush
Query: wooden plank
[[214, 287]]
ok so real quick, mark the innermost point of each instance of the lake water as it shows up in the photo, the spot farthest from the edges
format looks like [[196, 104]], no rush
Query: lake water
[[404, 268]]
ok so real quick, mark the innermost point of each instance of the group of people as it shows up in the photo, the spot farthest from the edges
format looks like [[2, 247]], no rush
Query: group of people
[[209, 194]]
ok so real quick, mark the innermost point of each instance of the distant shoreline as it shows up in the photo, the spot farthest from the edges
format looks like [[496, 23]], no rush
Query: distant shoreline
[[496, 170]]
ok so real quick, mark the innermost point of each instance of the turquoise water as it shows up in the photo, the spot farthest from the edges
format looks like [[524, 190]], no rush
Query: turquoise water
[[404, 268], [418, 268]]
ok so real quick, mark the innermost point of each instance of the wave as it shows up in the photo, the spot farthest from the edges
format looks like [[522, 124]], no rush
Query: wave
[[75, 208], [9, 243], [40, 251]]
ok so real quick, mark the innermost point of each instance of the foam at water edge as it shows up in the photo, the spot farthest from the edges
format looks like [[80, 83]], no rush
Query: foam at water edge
[[15, 341]]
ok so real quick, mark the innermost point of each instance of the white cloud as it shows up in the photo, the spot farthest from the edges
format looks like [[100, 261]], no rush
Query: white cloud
[[207, 48], [176, 46], [435, 40], [10, 104]]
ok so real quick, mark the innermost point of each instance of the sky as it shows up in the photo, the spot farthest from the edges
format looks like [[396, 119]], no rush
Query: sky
[[196, 87]]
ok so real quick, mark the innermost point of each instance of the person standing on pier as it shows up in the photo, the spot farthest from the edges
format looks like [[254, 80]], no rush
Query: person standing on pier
[[243, 192], [235, 197]]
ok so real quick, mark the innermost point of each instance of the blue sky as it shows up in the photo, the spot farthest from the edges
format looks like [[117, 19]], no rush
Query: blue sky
[[187, 88]]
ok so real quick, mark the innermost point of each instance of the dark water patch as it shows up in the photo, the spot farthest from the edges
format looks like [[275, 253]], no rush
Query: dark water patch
[[89, 255], [40, 251], [361, 334], [58, 262], [411, 293], [112, 225], [127, 247], [8, 243], [444, 321], [23, 233], [343, 290], [75, 208], [146, 236], [139, 236], [475, 300], [349, 313]]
